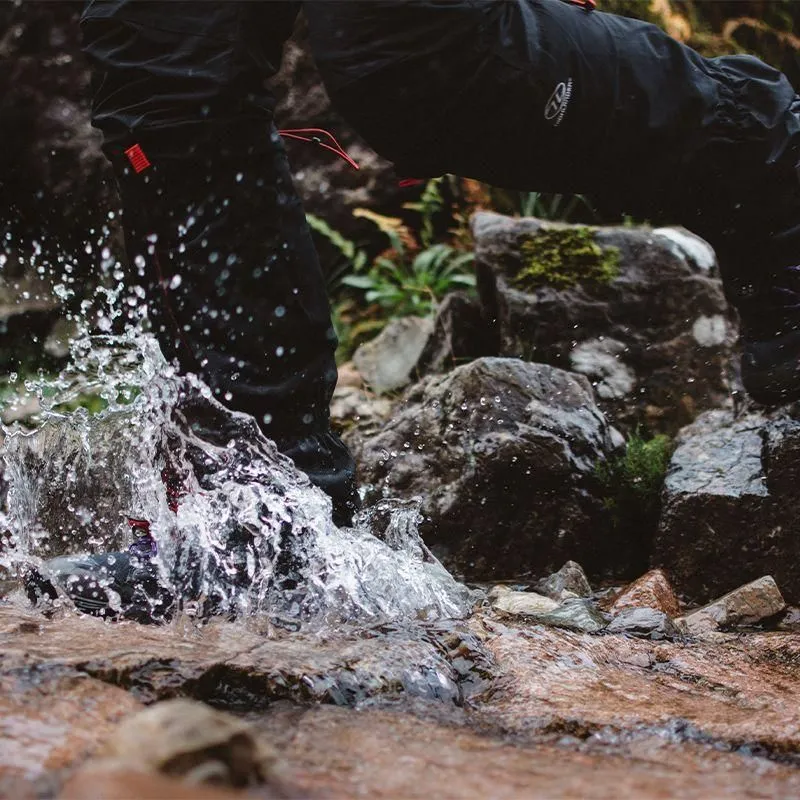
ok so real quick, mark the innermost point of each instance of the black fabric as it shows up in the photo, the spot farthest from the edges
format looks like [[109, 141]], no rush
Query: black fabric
[[175, 65], [215, 231], [647, 126]]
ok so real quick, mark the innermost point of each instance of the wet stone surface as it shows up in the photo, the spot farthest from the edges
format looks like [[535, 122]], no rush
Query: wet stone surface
[[229, 665], [503, 454], [52, 717], [730, 505], [563, 713], [653, 332]]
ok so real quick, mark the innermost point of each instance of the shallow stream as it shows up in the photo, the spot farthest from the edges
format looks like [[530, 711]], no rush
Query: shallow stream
[[368, 666]]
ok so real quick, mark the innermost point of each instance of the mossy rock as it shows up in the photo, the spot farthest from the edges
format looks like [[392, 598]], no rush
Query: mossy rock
[[565, 257]]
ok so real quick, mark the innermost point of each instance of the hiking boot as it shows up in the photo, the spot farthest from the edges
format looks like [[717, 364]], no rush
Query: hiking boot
[[770, 315], [121, 585]]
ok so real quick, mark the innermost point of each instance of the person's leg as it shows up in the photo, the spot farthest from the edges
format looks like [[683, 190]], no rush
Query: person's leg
[[545, 95], [217, 237], [215, 231]]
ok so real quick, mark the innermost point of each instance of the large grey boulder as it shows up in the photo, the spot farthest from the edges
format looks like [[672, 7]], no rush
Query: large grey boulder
[[503, 454], [731, 505], [640, 312]]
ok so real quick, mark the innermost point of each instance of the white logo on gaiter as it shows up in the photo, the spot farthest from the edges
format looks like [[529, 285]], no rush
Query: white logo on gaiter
[[556, 106]]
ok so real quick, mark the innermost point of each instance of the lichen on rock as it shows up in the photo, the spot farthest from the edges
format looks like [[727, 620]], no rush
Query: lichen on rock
[[563, 257]]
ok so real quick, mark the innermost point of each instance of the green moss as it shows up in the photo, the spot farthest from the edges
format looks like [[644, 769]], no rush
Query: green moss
[[564, 257]]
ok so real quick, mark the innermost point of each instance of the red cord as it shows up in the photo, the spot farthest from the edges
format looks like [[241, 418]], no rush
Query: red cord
[[405, 183], [313, 136]]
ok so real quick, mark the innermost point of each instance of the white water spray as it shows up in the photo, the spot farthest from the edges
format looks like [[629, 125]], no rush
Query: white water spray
[[250, 532]]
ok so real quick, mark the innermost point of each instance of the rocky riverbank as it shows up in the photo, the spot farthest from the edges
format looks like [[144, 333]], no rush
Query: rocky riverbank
[[499, 704]]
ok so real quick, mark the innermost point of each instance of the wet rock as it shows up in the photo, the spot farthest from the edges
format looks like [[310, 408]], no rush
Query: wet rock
[[112, 782], [351, 406], [460, 333], [388, 361], [572, 714], [652, 590], [503, 455], [730, 505], [338, 753], [790, 621], [230, 665], [570, 578], [349, 377], [640, 312], [747, 605], [733, 697], [576, 614], [648, 623], [520, 603], [51, 715], [186, 739]]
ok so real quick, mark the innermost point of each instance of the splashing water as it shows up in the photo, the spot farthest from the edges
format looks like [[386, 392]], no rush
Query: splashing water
[[251, 535]]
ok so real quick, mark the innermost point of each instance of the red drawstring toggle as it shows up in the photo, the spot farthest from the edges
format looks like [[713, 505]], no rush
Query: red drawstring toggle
[[139, 161], [589, 5], [314, 136]]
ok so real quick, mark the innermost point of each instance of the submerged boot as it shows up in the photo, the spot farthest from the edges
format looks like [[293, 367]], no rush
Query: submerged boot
[[123, 585]]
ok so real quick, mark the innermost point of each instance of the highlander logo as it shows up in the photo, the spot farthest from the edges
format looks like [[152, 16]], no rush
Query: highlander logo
[[557, 104]]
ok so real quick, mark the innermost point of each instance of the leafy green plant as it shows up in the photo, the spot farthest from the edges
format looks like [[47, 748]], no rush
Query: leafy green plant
[[404, 284], [352, 258], [556, 207], [414, 273]]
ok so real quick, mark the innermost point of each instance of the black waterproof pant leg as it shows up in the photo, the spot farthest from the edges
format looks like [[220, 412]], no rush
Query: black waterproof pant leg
[[545, 95], [215, 231]]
